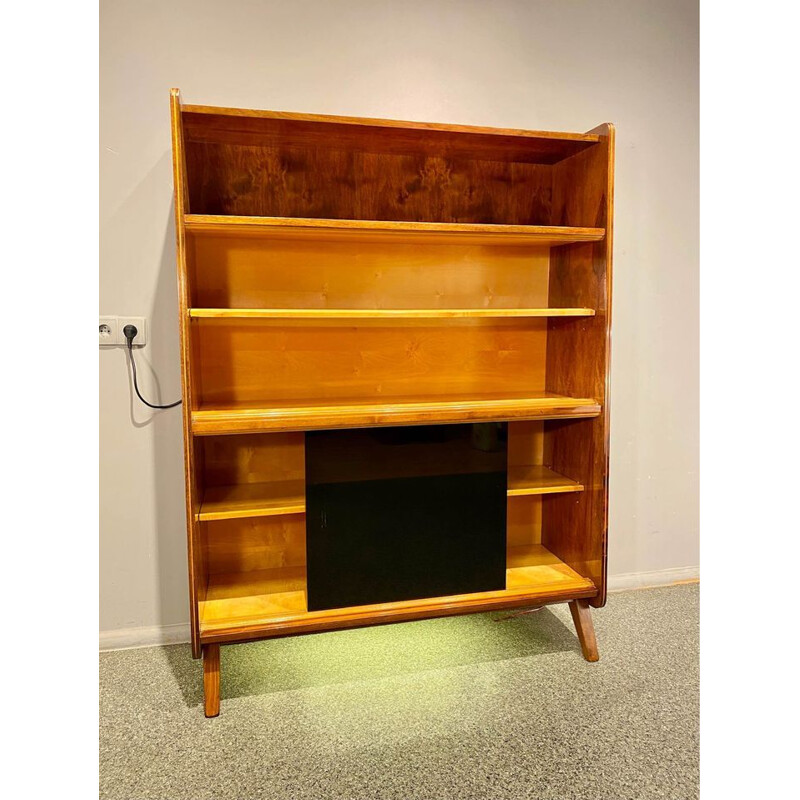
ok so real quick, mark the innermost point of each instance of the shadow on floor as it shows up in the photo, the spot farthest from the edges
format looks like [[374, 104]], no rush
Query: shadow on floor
[[367, 654]]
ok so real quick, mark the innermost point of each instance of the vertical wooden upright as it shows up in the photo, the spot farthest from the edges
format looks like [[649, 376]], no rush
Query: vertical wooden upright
[[197, 576], [578, 360]]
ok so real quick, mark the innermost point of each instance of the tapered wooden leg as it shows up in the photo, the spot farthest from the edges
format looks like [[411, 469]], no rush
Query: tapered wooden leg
[[582, 617], [211, 679]]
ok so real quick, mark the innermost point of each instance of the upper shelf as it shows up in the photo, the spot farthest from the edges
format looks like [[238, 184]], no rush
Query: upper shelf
[[425, 410], [379, 230], [347, 314]]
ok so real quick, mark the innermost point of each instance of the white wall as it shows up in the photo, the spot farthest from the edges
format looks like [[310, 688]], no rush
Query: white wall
[[545, 64]]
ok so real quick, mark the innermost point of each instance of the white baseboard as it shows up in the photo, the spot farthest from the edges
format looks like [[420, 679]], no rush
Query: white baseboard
[[153, 636], [647, 580], [157, 635]]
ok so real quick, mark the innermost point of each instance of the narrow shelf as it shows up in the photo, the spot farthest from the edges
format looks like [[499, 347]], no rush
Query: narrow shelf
[[252, 500], [288, 497], [245, 605], [222, 419], [526, 480], [379, 230], [384, 313]]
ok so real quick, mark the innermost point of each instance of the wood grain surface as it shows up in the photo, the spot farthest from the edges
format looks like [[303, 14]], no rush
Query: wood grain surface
[[575, 526], [336, 272]]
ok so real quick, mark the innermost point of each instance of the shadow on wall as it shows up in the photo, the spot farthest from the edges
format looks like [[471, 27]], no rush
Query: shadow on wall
[[169, 490], [158, 366], [374, 653]]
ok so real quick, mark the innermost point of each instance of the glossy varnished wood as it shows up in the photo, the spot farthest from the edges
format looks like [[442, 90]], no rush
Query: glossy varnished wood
[[582, 617], [197, 570], [289, 165], [388, 231], [248, 177], [211, 679], [538, 479], [252, 500], [338, 272], [202, 119], [575, 527], [248, 544], [273, 602], [361, 314], [259, 458], [308, 273], [211, 420], [279, 498], [248, 363]]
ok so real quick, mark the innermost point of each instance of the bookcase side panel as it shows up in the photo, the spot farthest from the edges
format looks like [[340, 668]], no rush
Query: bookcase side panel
[[196, 552], [575, 525]]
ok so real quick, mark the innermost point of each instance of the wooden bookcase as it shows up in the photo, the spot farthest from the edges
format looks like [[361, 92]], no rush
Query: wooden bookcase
[[348, 273]]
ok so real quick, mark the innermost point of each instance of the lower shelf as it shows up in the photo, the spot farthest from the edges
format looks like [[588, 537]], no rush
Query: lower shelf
[[249, 605], [253, 500], [289, 497]]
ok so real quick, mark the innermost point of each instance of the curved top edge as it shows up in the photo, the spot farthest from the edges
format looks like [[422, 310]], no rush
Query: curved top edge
[[603, 130]]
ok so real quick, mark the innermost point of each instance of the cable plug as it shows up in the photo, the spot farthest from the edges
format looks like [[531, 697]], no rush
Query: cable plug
[[130, 332]]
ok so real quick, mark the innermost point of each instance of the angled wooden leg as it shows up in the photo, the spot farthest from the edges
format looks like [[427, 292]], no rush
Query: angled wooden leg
[[211, 679], [582, 617]]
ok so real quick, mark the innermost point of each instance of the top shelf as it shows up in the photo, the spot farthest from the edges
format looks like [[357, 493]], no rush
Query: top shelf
[[209, 124], [380, 230]]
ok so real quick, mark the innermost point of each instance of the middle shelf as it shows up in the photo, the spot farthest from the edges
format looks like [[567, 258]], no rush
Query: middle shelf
[[288, 497], [384, 313], [211, 419]]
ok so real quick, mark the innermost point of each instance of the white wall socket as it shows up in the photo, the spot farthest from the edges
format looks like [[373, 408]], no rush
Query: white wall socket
[[108, 331], [111, 331]]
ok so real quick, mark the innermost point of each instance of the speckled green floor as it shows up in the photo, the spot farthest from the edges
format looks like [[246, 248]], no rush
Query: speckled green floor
[[487, 706]]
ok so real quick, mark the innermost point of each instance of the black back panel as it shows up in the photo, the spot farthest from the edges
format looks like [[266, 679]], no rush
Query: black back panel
[[405, 513]]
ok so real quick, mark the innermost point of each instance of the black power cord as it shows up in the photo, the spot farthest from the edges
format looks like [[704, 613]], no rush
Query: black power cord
[[130, 332]]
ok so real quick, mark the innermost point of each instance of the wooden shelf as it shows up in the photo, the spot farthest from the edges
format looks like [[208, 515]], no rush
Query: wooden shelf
[[288, 497], [378, 138], [219, 419], [377, 230], [526, 480], [191, 110], [246, 605], [358, 314], [252, 500]]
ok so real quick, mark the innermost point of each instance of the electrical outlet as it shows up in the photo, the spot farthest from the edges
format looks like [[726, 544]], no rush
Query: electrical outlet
[[109, 331], [141, 330]]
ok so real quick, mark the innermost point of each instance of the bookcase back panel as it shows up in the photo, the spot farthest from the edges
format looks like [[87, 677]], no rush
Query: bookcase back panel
[[287, 180], [248, 272], [524, 520], [525, 443], [255, 543], [252, 458], [249, 362]]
